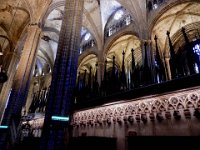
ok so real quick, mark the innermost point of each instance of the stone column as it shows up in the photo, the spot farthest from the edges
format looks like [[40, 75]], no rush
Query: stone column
[[8, 84], [150, 53], [100, 71], [168, 68], [61, 94], [22, 80]]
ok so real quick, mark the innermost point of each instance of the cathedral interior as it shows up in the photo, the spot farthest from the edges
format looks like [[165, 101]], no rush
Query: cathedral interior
[[76, 72]]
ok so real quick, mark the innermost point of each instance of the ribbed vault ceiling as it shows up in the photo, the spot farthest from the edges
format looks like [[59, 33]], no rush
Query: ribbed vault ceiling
[[173, 20], [16, 15]]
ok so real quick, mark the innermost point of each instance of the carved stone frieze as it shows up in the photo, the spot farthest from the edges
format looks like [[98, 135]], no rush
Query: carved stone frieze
[[178, 105]]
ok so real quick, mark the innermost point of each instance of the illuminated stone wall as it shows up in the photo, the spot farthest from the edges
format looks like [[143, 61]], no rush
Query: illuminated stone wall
[[170, 114]]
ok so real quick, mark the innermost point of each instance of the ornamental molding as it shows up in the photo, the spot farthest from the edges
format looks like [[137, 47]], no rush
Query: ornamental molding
[[184, 104]]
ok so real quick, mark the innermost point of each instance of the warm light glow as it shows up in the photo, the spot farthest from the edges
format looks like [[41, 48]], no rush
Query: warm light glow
[[1, 52]]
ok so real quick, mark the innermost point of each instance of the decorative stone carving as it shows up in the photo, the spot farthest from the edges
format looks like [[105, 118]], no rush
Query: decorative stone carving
[[125, 119], [187, 113], [100, 122], [144, 118], [159, 116], [130, 119], [168, 115], [108, 121], [152, 116], [177, 115], [197, 113], [154, 108], [137, 118], [90, 123], [119, 120]]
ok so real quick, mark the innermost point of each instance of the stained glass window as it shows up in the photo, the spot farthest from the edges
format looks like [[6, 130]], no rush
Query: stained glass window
[[118, 15], [196, 49]]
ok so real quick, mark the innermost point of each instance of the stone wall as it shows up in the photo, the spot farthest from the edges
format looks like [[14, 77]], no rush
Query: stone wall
[[170, 114]]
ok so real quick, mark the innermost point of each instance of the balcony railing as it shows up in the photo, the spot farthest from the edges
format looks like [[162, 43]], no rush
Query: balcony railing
[[152, 89]]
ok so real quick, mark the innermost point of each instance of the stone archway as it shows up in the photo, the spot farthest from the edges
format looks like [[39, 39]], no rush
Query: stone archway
[[124, 43], [174, 19]]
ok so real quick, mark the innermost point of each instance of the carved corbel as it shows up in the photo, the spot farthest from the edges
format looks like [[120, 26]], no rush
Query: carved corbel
[[119, 120], [159, 116], [90, 123], [108, 121], [83, 124], [177, 115], [152, 116], [187, 113], [100, 122], [114, 120], [144, 118], [125, 120], [137, 118], [168, 115], [130, 119], [197, 113], [104, 121]]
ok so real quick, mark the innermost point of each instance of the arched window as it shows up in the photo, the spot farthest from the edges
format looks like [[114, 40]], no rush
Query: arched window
[[196, 49], [128, 19], [118, 20], [155, 4], [87, 40]]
